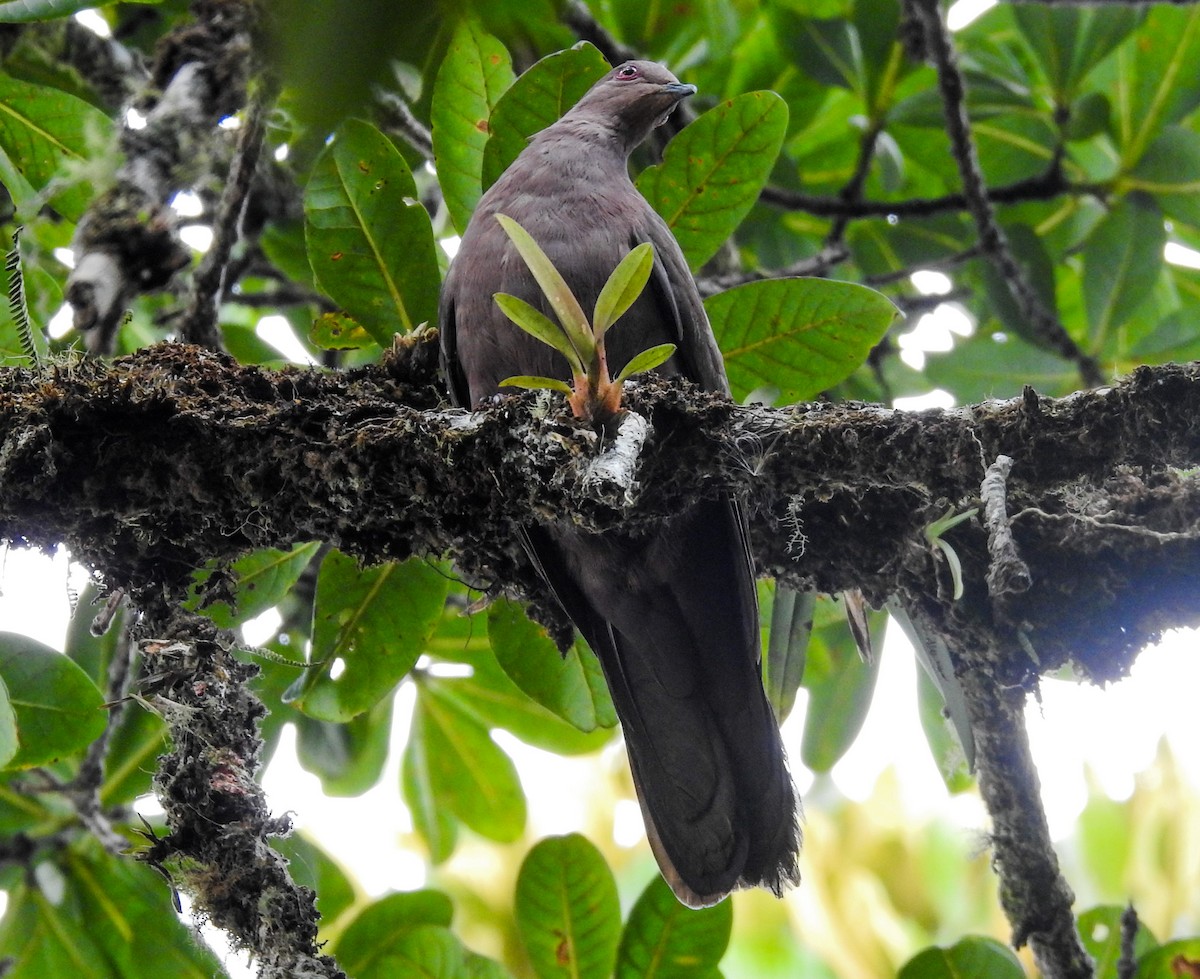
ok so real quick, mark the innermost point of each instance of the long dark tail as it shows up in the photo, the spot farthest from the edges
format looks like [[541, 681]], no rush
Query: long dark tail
[[674, 622]]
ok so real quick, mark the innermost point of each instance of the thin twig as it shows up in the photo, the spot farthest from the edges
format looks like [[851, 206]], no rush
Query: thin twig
[[912, 306], [852, 191], [937, 265], [1007, 573], [199, 322], [1127, 963], [815, 265], [576, 15], [992, 238], [1044, 186], [401, 120], [83, 791]]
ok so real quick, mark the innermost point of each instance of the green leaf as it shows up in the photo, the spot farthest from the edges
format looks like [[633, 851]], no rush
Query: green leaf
[[58, 708], [1170, 170], [1070, 41], [566, 307], [535, 382], [347, 758], [787, 647], [801, 336], [91, 916], [376, 622], [381, 927], [826, 49], [91, 653], [840, 687], [9, 739], [432, 819], [713, 171], [1106, 843], [567, 911], [535, 100], [467, 772], [428, 952], [995, 365], [541, 327], [571, 685], [474, 75], [311, 866], [647, 360], [1100, 930], [1015, 147], [337, 331], [1160, 963], [140, 737], [1153, 79], [369, 239], [623, 287], [481, 967], [262, 580], [1121, 261], [49, 137], [1034, 260], [940, 734], [283, 243], [972, 956], [495, 701], [664, 940]]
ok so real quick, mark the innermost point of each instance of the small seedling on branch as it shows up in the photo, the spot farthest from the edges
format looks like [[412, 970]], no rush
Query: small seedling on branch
[[592, 394]]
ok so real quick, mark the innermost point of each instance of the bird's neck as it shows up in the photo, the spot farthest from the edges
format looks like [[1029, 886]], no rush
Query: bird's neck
[[587, 137]]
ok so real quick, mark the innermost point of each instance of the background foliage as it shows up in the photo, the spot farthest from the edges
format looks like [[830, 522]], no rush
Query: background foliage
[[819, 147]]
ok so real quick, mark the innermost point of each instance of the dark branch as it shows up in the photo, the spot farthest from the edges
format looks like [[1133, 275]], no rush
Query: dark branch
[[199, 322], [217, 847], [398, 117], [1045, 186], [150, 466], [820, 264], [1033, 892], [1008, 574]]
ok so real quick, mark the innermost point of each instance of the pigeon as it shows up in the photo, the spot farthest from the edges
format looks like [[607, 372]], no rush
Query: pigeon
[[672, 615]]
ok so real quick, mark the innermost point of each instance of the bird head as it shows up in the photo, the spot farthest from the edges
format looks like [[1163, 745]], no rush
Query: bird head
[[633, 99]]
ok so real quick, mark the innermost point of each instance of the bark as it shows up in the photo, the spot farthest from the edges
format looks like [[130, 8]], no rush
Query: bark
[[162, 460]]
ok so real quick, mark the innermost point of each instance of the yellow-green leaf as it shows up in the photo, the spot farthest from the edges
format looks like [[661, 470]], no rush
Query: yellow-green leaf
[[554, 286], [623, 287], [535, 382], [647, 360], [534, 322]]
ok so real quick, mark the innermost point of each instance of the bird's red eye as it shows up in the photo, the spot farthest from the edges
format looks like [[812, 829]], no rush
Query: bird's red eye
[[628, 71]]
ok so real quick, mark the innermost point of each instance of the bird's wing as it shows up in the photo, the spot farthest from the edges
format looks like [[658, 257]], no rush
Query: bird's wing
[[678, 299], [456, 380]]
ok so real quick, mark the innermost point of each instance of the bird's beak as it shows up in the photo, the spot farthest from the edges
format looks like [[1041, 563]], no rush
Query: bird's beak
[[679, 89]]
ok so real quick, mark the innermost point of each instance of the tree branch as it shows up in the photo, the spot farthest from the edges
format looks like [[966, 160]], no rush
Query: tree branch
[[217, 847], [199, 322], [150, 466], [1045, 186], [1033, 892]]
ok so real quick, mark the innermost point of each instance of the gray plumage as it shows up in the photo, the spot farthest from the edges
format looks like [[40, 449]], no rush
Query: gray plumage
[[673, 617]]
